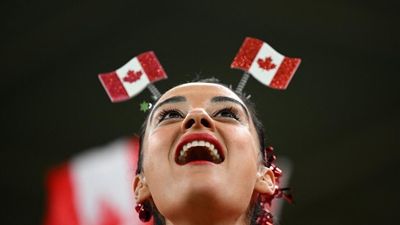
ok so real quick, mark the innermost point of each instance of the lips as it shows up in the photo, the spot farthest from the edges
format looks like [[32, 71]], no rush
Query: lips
[[199, 147]]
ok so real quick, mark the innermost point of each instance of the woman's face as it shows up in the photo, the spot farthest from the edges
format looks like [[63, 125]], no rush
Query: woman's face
[[200, 145]]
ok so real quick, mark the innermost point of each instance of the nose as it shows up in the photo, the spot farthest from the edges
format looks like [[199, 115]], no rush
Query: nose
[[198, 119]]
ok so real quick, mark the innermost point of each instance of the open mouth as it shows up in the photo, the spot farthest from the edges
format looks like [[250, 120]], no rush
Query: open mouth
[[195, 148]]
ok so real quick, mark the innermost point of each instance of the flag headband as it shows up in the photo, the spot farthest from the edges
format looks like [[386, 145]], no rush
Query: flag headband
[[255, 58], [129, 80], [264, 63]]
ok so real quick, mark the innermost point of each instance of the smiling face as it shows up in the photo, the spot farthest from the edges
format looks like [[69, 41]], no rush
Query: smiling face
[[200, 147]]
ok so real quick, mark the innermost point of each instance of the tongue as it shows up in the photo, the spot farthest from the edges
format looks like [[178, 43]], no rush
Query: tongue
[[198, 154]]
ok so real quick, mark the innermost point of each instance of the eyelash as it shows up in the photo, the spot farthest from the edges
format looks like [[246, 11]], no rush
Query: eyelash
[[164, 113], [232, 112]]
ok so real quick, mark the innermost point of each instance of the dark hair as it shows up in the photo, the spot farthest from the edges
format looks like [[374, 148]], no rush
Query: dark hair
[[255, 209]]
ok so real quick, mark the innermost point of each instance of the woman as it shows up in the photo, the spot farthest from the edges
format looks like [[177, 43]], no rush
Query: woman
[[202, 159]]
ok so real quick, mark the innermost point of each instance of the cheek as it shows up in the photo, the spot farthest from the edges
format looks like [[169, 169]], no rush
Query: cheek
[[241, 140], [242, 163], [158, 165], [157, 155], [242, 151], [158, 149]]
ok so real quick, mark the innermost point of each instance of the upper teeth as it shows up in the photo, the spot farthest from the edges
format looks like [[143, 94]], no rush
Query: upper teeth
[[208, 145]]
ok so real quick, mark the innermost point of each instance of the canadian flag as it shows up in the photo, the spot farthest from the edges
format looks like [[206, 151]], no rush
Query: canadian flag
[[95, 188], [265, 64], [133, 77]]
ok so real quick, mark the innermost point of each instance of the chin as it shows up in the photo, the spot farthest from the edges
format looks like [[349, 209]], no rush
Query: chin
[[199, 187], [208, 199]]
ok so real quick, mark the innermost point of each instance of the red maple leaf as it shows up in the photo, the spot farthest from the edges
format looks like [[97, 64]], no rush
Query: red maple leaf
[[132, 76], [266, 63]]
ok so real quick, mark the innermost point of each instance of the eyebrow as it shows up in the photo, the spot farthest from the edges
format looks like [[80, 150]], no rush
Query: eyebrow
[[215, 99], [228, 99], [174, 99]]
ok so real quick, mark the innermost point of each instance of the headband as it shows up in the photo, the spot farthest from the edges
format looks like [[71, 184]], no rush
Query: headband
[[255, 58]]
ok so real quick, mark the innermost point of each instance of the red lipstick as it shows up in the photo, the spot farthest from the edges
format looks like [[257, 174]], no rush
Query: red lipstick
[[199, 137]]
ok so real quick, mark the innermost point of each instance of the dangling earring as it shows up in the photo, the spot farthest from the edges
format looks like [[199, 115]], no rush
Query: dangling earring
[[144, 212], [265, 217]]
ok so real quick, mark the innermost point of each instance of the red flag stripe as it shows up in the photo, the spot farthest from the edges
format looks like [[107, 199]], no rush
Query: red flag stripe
[[152, 66], [61, 198], [247, 53], [114, 87], [133, 147], [285, 73]]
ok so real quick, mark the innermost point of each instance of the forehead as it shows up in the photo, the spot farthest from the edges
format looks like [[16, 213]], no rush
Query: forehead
[[200, 91]]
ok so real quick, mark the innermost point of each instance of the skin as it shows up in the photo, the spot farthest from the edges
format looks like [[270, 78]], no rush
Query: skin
[[202, 193]]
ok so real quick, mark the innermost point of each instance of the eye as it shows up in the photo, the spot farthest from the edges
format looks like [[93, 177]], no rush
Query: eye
[[227, 113], [169, 114]]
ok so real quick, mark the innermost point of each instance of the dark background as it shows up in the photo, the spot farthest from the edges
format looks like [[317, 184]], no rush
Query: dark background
[[338, 121]]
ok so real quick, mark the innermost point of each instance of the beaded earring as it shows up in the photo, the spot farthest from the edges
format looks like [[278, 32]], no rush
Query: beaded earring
[[144, 212], [265, 217]]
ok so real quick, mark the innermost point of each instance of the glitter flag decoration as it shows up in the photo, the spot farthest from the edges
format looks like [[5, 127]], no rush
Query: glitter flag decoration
[[133, 77], [265, 64]]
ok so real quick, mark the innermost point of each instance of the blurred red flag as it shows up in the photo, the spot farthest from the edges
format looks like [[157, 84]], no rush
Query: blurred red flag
[[95, 188]]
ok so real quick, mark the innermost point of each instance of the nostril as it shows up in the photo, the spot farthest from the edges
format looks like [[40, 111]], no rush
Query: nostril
[[205, 122], [189, 123]]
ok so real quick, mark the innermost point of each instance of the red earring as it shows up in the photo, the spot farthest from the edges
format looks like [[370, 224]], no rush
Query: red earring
[[265, 216], [143, 211]]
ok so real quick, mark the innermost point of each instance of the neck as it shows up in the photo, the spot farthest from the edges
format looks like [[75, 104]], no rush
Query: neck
[[207, 208], [198, 214], [205, 219]]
